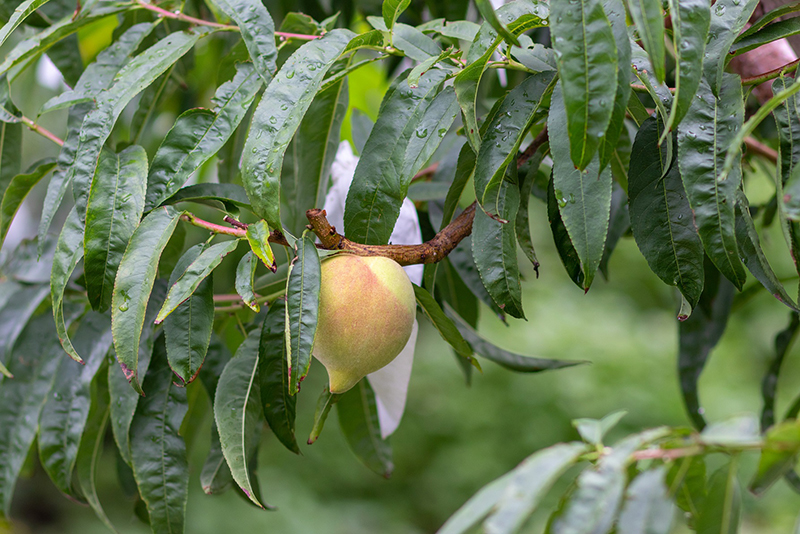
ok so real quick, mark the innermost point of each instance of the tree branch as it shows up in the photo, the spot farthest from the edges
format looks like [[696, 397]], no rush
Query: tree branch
[[240, 231]]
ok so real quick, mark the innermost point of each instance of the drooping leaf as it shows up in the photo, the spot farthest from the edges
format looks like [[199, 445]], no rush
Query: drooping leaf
[[238, 412], [564, 247], [17, 191], [14, 316], [464, 171], [392, 9], [615, 11], [688, 478], [69, 251], [587, 65], [649, 21], [463, 263], [769, 385], [648, 507], [722, 507], [216, 475], [487, 12], [65, 412], [273, 372], [258, 238], [728, 18], [245, 273], [302, 304], [134, 282], [703, 136], [22, 11], [444, 325], [583, 197], [113, 211], [358, 419], [187, 330], [258, 32], [282, 107], [661, 215], [195, 273], [325, 402], [158, 452], [198, 134]]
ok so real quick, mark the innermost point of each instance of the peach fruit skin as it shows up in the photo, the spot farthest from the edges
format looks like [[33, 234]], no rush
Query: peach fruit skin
[[366, 313]]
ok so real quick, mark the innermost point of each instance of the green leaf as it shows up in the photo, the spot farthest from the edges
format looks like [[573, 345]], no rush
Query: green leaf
[[195, 273], [258, 238], [238, 413], [20, 14], [16, 313], [307, 167], [158, 452], [509, 360], [487, 12], [216, 475], [690, 23], [687, 479], [65, 412], [325, 402], [593, 431], [384, 170], [282, 107], [528, 484], [273, 373], [464, 171], [503, 137], [113, 211], [188, 329], [477, 507], [245, 273], [768, 34], [649, 20], [661, 218], [198, 134], [17, 190], [648, 507], [23, 398], [231, 196], [706, 131], [413, 43], [69, 251], [258, 32], [722, 508], [444, 325], [769, 385], [302, 304], [358, 419], [131, 80], [10, 153], [564, 247], [728, 18], [615, 11], [135, 277], [587, 66], [391, 10], [738, 431], [583, 197], [494, 249], [778, 455], [463, 263]]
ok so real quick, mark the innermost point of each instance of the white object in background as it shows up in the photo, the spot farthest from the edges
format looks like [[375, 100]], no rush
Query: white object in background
[[390, 383], [48, 75]]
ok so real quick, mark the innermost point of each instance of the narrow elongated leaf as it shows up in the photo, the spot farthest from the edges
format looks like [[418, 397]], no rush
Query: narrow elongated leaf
[[647, 507], [661, 215], [494, 249], [413, 43], [188, 329], [587, 65], [258, 238], [20, 14], [113, 210], [24, 396], [778, 456], [302, 306], [245, 273], [583, 197], [158, 452], [391, 9], [258, 32], [325, 402], [65, 412], [722, 507], [198, 134], [216, 475], [10, 153], [15, 315], [487, 12], [615, 11], [444, 325], [706, 131], [285, 102], [464, 171], [135, 277], [131, 80], [728, 18], [463, 263], [503, 137], [477, 507], [17, 190], [769, 385], [699, 334], [195, 273], [237, 411], [564, 247], [273, 372], [69, 251], [358, 419], [380, 182], [430, 130], [690, 23], [649, 20], [509, 360]]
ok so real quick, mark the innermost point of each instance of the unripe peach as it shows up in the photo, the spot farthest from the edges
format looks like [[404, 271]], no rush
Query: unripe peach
[[366, 313]]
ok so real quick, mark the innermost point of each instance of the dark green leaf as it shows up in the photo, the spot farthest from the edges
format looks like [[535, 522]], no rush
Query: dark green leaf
[[391, 9], [135, 277], [302, 303], [216, 475], [258, 238], [258, 32], [564, 247], [358, 419], [649, 20], [769, 385], [687, 480], [464, 171], [273, 372], [158, 452], [728, 18], [648, 507], [615, 11], [768, 34], [285, 102], [325, 402], [195, 273], [463, 263], [14, 316], [198, 134], [661, 219], [583, 197], [444, 325], [587, 65], [690, 23], [706, 131], [487, 12], [69, 251], [619, 223], [17, 190], [722, 507], [245, 273], [413, 43], [231, 196], [188, 329]]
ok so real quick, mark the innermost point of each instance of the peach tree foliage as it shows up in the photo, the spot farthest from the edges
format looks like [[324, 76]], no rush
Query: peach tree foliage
[[568, 106]]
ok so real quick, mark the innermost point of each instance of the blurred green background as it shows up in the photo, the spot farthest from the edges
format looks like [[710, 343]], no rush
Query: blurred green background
[[454, 438]]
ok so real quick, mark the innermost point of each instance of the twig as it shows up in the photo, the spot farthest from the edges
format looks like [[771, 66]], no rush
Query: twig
[[537, 142], [427, 171], [41, 131], [761, 149], [771, 74], [274, 236]]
